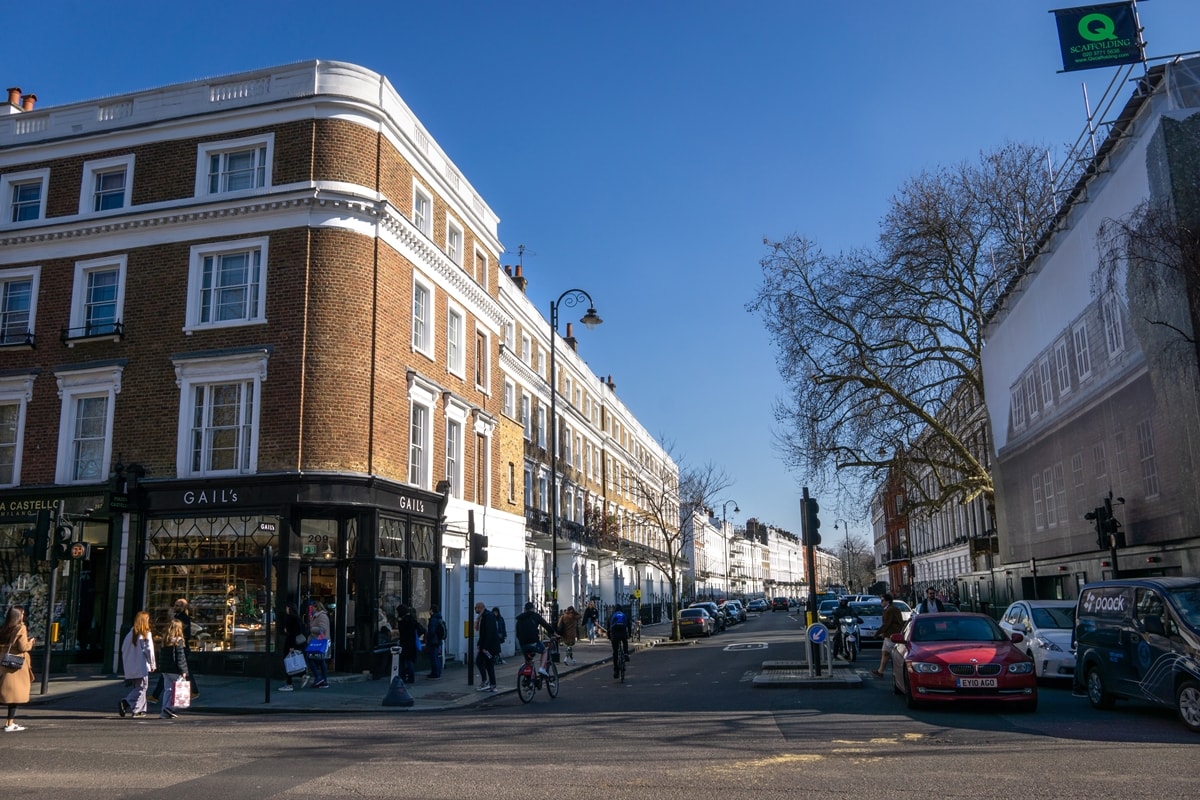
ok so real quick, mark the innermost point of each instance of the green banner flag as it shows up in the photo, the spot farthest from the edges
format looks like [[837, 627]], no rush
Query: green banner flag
[[1098, 36]]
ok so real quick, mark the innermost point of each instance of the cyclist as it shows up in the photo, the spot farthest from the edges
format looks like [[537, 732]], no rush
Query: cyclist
[[528, 622], [618, 635]]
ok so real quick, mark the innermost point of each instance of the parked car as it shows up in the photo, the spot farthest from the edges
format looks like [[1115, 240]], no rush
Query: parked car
[[758, 604], [779, 604], [696, 622], [715, 612], [1047, 626], [735, 608], [1139, 638], [951, 657]]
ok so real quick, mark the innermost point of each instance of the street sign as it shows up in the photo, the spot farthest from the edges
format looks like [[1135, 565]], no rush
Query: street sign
[[818, 633]]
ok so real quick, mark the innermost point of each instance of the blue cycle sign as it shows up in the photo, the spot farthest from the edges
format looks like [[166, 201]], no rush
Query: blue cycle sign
[[818, 633]]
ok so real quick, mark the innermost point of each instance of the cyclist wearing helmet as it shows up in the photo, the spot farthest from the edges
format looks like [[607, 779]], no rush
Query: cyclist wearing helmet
[[618, 635]]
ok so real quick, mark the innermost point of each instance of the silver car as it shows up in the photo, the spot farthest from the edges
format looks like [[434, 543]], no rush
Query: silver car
[[872, 618], [1046, 626]]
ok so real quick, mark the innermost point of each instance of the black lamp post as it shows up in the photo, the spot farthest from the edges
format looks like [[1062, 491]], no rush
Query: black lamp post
[[846, 530], [725, 536], [571, 297]]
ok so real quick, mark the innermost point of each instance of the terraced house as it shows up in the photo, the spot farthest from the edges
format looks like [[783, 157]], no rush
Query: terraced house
[[258, 311]]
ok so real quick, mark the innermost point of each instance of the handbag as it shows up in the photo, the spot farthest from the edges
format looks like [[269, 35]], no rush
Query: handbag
[[318, 648], [179, 694], [293, 663], [11, 661]]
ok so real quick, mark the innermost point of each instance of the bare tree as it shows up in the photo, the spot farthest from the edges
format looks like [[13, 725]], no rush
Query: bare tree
[[875, 345], [665, 495]]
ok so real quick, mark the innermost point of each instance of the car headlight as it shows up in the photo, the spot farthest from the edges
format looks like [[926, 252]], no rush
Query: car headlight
[[1046, 644], [925, 667], [1021, 668]]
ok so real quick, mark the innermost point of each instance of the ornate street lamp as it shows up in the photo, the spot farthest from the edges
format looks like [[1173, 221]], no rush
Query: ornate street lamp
[[725, 536], [572, 298]]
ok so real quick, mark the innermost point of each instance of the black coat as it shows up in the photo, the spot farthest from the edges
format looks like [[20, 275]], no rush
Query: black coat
[[290, 628], [408, 630], [489, 635]]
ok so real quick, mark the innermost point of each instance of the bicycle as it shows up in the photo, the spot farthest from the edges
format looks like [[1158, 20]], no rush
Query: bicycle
[[619, 662], [529, 680], [636, 633]]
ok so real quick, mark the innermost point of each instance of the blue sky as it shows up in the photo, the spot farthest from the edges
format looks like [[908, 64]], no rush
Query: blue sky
[[643, 150]]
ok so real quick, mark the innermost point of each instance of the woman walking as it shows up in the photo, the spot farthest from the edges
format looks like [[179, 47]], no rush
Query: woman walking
[[294, 638], [137, 653], [15, 681], [568, 629], [175, 666], [319, 628]]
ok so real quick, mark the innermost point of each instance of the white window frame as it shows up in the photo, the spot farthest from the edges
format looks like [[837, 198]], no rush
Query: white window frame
[[10, 182], [510, 401], [541, 427], [89, 191], [482, 268], [526, 349], [422, 210], [1114, 335], [80, 300], [247, 367], [455, 428], [1148, 458], [263, 147], [526, 417], [1047, 382], [423, 318], [422, 394], [455, 242], [1083, 354], [34, 276], [1062, 363], [75, 385], [483, 360], [1039, 510], [256, 311], [510, 333], [16, 390], [456, 326]]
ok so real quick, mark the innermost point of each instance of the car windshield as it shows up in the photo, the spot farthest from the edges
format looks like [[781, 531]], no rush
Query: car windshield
[[693, 612], [827, 606], [1187, 603], [900, 604], [867, 609], [939, 628], [1054, 617]]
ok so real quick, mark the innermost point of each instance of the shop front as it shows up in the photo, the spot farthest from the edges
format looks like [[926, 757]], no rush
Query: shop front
[[364, 548]]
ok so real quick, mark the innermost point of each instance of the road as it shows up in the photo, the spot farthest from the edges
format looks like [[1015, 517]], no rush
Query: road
[[686, 724]]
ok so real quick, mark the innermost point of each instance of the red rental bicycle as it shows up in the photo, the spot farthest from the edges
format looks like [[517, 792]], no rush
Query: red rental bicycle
[[529, 680]]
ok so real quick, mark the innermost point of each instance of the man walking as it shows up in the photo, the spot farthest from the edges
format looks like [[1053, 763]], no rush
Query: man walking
[[891, 623], [486, 648], [931, 602], [435, 636]]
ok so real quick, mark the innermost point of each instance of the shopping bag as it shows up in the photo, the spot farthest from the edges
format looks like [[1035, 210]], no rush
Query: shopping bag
[[179, 694], [293, 663], [318, 648]]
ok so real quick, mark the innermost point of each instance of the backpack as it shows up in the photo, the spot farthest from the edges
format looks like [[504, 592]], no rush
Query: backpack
[[441, 632], [527, 627], [619, 619]]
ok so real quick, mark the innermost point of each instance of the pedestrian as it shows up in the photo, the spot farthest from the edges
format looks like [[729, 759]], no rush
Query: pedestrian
[[487, 646], [568, 629], [174, 666], [181, 613], [502, 631], [435, 638], [591, 620], [408, 635], [891, 623], [930, 603], [294, 638], [137, 653], [320, 629], [15, 681]]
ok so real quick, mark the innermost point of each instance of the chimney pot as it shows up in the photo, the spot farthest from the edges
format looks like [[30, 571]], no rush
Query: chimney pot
[[28, 101], [14, 96]]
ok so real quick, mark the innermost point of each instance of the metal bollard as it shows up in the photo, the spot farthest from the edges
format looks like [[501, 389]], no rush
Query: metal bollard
[[397, 694]]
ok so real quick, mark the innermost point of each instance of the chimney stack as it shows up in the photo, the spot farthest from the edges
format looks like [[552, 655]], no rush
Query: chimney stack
[[519, 279], [570, 337], [14, 96], [28, 101]]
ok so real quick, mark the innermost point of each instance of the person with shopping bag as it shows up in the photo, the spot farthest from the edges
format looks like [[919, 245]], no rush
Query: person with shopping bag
[[16, 672], [177, 692], [294, 642], [320, 643]]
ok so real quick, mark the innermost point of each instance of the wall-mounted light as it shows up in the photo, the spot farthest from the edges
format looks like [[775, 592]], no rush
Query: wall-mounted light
[[1063, 569], [327, 553], [1153, 559]]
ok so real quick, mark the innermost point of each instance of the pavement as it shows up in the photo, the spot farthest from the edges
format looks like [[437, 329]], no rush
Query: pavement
[[229, 695]]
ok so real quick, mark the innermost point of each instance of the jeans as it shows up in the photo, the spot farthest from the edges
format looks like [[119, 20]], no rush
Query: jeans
[[435, 660], [317, 667], [487, 668], [137, 695]]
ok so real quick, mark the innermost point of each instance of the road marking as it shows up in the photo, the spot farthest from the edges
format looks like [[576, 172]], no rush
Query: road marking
[[745, 646]]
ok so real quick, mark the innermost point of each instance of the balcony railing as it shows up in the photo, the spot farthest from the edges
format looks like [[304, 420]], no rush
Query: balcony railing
[[104, 330]]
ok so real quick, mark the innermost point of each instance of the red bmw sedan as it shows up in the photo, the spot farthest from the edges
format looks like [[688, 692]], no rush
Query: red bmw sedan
[[941, 658]]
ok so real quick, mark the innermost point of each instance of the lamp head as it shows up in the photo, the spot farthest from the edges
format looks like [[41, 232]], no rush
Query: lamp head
[[591, 319]]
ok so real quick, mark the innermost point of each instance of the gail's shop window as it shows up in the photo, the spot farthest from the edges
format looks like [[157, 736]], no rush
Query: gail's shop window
[[216, 565]]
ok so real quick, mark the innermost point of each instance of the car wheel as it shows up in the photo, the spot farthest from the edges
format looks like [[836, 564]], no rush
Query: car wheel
[[1098, 694], [909, 700], [1187, 701]]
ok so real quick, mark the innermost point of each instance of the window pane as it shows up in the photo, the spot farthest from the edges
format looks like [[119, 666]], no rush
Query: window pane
[[9, 416], [14, 311], [26, 201], [110, 190], [91, 418], [100, 306]]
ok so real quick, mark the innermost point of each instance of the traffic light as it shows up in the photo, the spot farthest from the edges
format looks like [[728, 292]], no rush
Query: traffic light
[[479, 545], [1105, 524], [63, 536], [36, 540], [811, 529]]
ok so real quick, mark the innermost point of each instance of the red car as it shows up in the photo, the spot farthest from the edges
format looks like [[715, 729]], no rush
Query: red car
[[941, 658]]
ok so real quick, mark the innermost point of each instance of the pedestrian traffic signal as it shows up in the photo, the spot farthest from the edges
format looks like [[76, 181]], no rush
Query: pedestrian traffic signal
[[812, 523], [479, 545], [63, 535]]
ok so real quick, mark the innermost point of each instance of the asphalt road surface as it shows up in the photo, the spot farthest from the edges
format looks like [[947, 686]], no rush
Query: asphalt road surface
[[686, 724]]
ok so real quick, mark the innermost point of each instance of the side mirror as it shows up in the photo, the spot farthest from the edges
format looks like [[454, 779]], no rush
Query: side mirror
[[1016, 637]]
